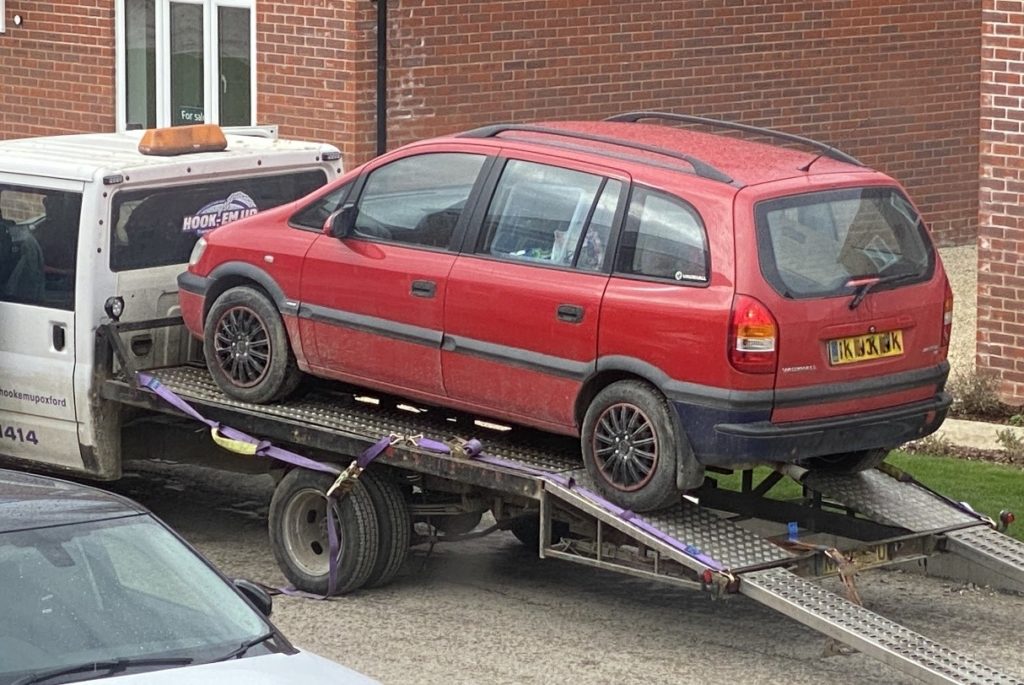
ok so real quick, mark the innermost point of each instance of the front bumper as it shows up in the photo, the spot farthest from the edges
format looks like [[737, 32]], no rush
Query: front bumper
[[192, 299]]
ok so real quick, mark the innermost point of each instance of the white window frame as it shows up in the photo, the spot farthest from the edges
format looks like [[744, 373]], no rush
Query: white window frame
[[211, 62]]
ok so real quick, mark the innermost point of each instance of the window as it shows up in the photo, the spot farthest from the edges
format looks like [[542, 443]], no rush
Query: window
[[417, 200], [186, 62], [314, 215], [816, 243], [663, 238], [38, 246], [539, 213], [159, 227]]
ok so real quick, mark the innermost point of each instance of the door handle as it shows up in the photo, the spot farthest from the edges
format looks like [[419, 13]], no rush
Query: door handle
[[59, 337], [570, 313], [423, 288]]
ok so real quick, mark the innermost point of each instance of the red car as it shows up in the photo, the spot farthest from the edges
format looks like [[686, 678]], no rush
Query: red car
[[677, 298]]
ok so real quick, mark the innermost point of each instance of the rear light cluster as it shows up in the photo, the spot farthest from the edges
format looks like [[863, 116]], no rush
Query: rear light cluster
[[753, 336], [947, 316]]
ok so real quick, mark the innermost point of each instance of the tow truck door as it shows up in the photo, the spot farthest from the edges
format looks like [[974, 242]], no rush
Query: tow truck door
[[38, 263]]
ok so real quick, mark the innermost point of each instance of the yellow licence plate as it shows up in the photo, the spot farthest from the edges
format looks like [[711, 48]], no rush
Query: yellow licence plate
[[861, 348]]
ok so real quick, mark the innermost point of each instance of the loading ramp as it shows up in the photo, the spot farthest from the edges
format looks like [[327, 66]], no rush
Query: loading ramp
[[699, 543]]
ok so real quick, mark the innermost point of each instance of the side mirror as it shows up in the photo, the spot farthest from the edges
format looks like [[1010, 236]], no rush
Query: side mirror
[[341, 223], [259, 597]]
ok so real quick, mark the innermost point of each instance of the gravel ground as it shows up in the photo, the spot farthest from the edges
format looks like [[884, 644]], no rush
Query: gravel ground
[[962, 267]]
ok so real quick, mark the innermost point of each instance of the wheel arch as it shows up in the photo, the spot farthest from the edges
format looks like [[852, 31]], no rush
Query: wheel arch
[[611, 370], [235, 274]]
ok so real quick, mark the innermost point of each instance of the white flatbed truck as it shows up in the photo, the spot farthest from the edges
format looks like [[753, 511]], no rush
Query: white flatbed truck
[[534, 484]]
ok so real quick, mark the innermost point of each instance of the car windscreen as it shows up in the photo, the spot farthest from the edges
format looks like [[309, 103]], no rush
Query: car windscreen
[[120, 588], [159, 226], [827, 243]]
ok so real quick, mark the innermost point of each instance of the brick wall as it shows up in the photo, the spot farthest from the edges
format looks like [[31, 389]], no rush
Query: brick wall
[[57, 68], [1001, 215], [894, 83], [315, 72]]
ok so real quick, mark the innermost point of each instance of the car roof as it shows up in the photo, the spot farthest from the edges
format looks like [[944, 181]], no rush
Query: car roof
[[746, 162], [81, 156], [29, 501]]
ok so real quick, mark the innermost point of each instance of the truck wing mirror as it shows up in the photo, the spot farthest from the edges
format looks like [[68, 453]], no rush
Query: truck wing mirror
[[341, 223]]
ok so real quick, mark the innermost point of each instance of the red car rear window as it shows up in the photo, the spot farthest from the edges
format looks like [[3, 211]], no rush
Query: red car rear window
[[825, 243]]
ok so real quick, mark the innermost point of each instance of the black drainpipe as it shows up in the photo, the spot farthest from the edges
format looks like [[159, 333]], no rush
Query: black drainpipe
[[382, 76]]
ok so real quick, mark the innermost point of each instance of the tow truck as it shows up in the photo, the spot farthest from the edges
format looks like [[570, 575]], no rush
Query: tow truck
[[399, 464]]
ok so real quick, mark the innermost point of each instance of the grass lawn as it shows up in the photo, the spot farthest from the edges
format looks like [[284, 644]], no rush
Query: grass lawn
[[987, 487]]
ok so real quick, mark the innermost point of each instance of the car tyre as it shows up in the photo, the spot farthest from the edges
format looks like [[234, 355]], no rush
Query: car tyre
[[298, 532], [394, 527], [849, 462], [246, 347], [631, 445]]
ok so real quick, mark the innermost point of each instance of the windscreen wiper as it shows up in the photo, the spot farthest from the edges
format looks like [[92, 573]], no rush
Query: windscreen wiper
[[245, 646], [107, 667], [865, 284]]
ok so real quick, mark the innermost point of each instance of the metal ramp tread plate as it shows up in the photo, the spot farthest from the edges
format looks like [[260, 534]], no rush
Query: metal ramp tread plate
[[991, 549], [734, 547], [866, 631], [677, 528], [885, 499], [341, 413]]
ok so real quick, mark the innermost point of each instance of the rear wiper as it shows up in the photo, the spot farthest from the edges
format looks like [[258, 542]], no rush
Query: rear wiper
[[245, 646], [109, 667], [866, 284]]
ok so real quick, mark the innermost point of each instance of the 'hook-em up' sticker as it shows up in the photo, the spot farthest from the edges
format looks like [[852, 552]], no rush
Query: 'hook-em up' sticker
[[219, 212]]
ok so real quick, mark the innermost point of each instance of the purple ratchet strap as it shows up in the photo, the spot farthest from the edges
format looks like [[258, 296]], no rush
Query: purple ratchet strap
[[689, 550], [266, 449]]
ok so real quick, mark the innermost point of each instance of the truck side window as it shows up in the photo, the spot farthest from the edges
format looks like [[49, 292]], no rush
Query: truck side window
[[38, 246], [159, 226]]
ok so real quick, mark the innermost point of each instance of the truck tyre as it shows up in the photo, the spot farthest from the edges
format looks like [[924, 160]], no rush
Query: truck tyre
[[298, 532], [394, 527], [527, 531], [246, 347], [630, 446]]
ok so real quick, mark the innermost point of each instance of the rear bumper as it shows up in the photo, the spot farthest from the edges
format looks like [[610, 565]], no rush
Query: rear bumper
[[749, 439]]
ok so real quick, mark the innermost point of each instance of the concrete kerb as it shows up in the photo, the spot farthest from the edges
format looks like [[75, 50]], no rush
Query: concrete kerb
[[976, 434]]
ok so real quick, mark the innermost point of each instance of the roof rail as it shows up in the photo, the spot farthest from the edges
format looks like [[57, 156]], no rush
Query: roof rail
[[823, 148], [702, 169], [268, 131]]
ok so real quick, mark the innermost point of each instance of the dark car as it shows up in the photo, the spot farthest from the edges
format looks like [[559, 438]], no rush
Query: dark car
[[677, 298], [94, 586]]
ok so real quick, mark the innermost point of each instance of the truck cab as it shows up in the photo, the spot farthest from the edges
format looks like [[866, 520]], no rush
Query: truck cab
[[92, 228]]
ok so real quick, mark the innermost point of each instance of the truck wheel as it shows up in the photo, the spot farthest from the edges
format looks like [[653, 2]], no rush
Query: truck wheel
[[527, 531], [298, 532], [246, 347], [630, 446], [394, 527]]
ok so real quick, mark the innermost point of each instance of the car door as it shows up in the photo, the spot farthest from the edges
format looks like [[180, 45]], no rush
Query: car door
[[521, 317], [38, 265], [373, 300]]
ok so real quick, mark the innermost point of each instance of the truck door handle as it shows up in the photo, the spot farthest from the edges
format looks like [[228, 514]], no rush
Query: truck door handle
[[59, 337], [423, 288], [570, 313]]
